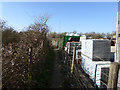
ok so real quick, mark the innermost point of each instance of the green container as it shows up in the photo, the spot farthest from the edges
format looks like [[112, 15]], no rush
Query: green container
[[66, 38]]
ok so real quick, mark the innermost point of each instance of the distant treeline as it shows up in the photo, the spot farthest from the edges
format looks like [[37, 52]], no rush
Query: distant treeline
[[92, 35]]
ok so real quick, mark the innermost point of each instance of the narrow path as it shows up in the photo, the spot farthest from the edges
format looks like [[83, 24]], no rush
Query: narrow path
[[56, 76]]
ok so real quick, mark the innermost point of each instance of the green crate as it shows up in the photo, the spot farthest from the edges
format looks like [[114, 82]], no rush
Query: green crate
[[66, 38]]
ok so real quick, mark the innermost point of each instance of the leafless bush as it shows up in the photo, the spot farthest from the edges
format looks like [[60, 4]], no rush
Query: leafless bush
[[20, 60]]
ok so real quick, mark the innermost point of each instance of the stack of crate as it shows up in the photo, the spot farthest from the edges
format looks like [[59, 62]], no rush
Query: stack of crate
[[95, 55], [70, 46], [78, 53]]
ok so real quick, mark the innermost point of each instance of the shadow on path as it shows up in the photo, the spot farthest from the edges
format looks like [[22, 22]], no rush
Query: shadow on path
[[56, 81]]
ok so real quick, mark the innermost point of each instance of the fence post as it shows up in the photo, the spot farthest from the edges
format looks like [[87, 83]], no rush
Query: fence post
[[74, 52], [29, 65], [113, 75]]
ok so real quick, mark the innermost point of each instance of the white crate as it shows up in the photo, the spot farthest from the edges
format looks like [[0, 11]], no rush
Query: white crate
[[93, 68], [82, 38], [77, 51], [70, 46], [96, 49]]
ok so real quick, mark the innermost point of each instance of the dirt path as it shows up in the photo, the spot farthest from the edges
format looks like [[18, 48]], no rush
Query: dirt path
[[61, 77], [56, 76]]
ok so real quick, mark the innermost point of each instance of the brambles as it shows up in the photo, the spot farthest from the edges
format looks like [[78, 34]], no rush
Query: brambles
[[22, 59]]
